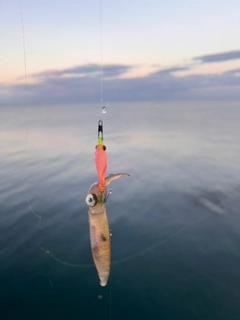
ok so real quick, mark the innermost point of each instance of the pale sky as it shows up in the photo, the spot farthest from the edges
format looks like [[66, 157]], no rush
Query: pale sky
[[143, 36]]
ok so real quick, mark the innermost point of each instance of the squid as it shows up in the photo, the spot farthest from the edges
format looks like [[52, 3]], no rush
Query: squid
[[99, 228]]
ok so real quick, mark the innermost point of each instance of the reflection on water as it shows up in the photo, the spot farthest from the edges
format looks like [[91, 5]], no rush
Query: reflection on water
[[175, 243]]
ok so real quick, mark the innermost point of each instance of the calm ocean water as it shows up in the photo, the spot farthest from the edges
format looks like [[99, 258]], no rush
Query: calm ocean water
[[175, 221]]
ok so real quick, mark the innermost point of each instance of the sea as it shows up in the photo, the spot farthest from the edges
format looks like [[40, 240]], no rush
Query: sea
[[175, 221]]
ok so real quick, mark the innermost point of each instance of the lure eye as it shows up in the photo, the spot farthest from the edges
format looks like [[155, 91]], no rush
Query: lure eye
[[91, 200]]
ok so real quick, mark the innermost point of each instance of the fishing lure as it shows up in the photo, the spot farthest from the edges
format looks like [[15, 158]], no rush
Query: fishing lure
[[101, 161], [99, 228]]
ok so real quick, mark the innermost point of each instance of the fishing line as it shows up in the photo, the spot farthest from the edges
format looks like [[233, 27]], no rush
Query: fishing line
[[160, 243], [101, 62], [26, 83], [110, 297], [64, 262], [26, 94], [24, 45], [103, 110], [25, 63], [103, 107], [34, 213]]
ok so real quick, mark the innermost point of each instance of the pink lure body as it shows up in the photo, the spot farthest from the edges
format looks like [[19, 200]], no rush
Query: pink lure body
[[101, 165]]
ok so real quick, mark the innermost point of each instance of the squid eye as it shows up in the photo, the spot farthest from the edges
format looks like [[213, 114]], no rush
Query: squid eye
[[91, 200]]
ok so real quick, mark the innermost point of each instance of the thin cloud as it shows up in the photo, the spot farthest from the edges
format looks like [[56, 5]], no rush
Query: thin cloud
[[218, 57], [63, 86], [234, 71], [169, 71], [93, 70]]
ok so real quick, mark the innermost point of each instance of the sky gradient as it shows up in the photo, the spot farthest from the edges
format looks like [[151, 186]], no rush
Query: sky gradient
[[150, 50]]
